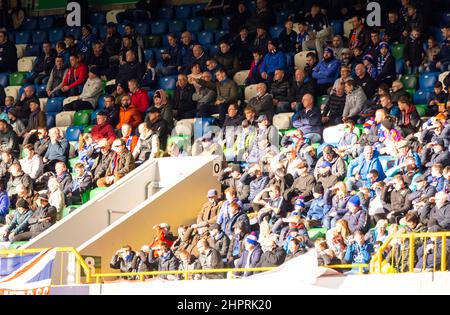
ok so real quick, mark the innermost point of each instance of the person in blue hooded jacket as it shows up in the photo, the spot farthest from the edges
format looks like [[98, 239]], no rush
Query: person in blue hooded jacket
[[326, 71], [356, 216], [318, 209], [4, 203], [358, 252], [272, 61], [359, 168]]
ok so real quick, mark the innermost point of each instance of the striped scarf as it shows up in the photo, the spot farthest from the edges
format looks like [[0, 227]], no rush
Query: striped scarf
[[381, 61]]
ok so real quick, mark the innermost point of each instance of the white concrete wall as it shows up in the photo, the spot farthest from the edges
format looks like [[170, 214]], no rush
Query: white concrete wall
[[178, 203]]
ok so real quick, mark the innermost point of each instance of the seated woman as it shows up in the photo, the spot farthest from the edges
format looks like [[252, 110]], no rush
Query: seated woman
[[147, 146]]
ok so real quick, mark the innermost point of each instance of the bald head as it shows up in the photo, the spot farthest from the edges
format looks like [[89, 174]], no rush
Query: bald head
[[308, 101]]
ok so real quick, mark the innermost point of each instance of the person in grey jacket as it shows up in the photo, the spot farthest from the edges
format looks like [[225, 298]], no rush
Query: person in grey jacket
[[355, 101], [57, 75], [209, 258], [262, 102], [92, 90], [8, 139], [19, 224], [147, 146], [338, 167], [204, 96]]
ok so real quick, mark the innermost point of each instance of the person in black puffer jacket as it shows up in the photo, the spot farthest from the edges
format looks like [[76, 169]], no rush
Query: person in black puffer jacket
[[281, 92], [334, 108]]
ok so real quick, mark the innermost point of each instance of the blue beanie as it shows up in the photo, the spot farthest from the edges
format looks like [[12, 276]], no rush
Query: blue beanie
[[299, 202], [383, 45], [329, 50], [251, 239], [355, 201]]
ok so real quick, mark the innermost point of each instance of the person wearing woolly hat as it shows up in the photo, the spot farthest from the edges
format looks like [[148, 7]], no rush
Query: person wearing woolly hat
[[326, 71], [251, 256], [356, 216], [19, 223], [319, 206], [369, 61], [273, 60], [385, 65]]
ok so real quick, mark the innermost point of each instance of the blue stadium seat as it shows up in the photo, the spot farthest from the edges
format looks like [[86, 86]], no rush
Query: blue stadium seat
[[101, 102], [183, 12], [29, 24], [94, 116], [437, 33], [39, 37], [97, 18], [159, 28], [290, 63], [124, 17], [4, 78], [46, 22], [73, 133], [212, 49], [148, 53], [41, 91], [176, 27], [194, 25], [226, 22], [421, 97], [55, 35], [138, 15], [157, 54], [23, 37], [282, 16], [74, 31], [168, 83], [150, 96], [219, 35], [444, 18], [102, 31], [338, 27], [143, 28], [121, 29], [275, 31], [201, 126], [54, 105], [205, 38], [95, 30], [427, 81], [32, 50], [197, 7], [50, 120], [399, 66], [166, 13]]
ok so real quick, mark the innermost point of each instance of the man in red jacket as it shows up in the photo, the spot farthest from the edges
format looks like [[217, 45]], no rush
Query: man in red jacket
[[103, 130], [75, 77], [139, 97]]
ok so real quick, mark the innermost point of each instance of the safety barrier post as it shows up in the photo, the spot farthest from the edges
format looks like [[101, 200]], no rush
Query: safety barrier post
[[444, 253]]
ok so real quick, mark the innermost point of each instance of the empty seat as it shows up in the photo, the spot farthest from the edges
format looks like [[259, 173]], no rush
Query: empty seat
[[32, 50], [16, 78], [166, 13], [138, 15], [4, 79], [399, 66], [38, 37], [159, 27], [81, 118], [143, 28], [197, 7], [281, 16], [397, 51], [205, 38], [64, 119], [23, 37], [409, 81], [240, 77], [211, 24], [152, 41], [29, 24], [97, 18], [183, 12], [250, 92], [20, 48], [111, 16], [56, 35], [337, 27], [74, 31], [54, 105], [148, 53], [45, 22], [25, 64], [124, 17], [12, 91], [282, 121], [321, 100], [167, 83], [176, 27], [275, 31], [427, 80], [73, 134], [421, 97], [348, 26], [194, 25], [300, 59]]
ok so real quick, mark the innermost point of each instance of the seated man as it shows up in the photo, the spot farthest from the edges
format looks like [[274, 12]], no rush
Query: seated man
[[103, 129], [209, 258], [262, 102], [251, 256], [359, 251], [147, 146], [81, 183], [395, 199], [58, 150], [409, 121], [56, 79], [43, 65], [355, 101], [308, 120], [102, 155], [183, 105], [41, 219], [359, 168], [326, 71], [121, 164], [19, 223], [92, 90], [128, 113], [356, 216], [63, 177], [273, 60], [281, 92], [22, 106], [17, 177]]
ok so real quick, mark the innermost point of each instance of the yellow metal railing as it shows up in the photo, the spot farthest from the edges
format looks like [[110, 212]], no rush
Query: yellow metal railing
[[408, 245]]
